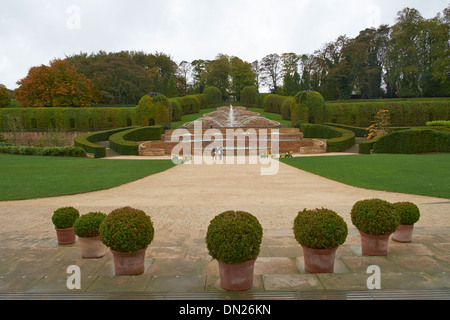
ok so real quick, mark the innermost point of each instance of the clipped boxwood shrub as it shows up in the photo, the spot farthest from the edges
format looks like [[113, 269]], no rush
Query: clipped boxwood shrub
[[338, 139], [88, 225], [126, 142], [320, 229], [375, 217], [413, 141], [64, 218], [87, 141], [408, 212], [314, 103], [127, 230], [234, 237]]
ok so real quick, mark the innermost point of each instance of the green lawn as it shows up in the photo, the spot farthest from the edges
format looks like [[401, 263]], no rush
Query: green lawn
[[413, 174], [26, 177]]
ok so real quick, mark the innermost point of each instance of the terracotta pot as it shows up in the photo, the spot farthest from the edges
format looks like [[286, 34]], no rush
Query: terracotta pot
[[92, 247], [319, 260], [236, 277], [65, 236], [126, 263], [374, 245], [403, 233]]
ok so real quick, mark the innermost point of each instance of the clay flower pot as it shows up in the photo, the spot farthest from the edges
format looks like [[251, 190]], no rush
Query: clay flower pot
[[65, 236], [91, 247], [126, 263], [236, 277], [403, 233], [319, 260], [374, 245]]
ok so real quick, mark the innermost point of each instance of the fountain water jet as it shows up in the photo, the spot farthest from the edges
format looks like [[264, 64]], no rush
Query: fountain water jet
[[233, 117]]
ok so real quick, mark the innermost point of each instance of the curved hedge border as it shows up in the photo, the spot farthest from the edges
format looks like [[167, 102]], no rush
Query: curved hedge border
[[126, 142], [413, 141], [338, 139], [87, 141]]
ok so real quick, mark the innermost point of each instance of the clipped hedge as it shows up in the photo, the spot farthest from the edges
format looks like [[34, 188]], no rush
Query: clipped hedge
[[413, 141], [87, 141], [403, 113], [46, 151], [249, 96], [338, 139], [213, 97], [126, 142], [189, 104], [273, 103]]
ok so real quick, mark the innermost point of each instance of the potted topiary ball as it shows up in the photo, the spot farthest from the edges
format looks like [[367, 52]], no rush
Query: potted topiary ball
[[409, 214], [63, 219], [376, 220], [127, 232], [234, 240], [87, 228], [320, 232]]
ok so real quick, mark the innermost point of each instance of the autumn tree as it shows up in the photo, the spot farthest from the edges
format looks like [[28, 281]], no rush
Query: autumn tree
[[57, 85]]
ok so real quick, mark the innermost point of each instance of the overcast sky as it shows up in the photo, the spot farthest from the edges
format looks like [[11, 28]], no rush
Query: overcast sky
[[34, 32]]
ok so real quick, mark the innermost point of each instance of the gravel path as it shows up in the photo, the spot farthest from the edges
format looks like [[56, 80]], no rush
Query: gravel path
[[188, 196]]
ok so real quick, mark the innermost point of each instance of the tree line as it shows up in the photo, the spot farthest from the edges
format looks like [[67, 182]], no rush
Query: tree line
[[409, 59]]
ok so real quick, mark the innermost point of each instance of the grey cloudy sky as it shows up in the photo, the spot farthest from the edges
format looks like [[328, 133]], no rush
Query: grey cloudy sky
[[33, 32]]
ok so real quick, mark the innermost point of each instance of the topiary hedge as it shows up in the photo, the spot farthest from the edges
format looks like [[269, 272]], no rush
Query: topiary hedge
[[413, 141], [126, 142], [213, 97], [408, 212], [249, 96], [338, 139], [64, 218], [43, 151], [88, 225], [127, 230], [320, 229], [402, 112], [87, 141], [375, 217], [234, 237], [313, 103]]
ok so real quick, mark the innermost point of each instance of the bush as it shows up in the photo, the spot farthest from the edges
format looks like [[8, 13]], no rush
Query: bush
[[249, 96], [87, 141], [375, 217], [313, 103], [439, 123], [126, 142], [408, 212], [88, 225], [38, 151], [127, 230], [213, 96], [338, 139], [413, 141], [64, 218], [403, 112], [234, 237], [320, 229]]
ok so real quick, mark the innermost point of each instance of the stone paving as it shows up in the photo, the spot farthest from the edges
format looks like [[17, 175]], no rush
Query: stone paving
[[33, 265]]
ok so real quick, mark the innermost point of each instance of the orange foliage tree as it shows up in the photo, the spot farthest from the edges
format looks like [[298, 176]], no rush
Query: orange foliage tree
[[57, 85]]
